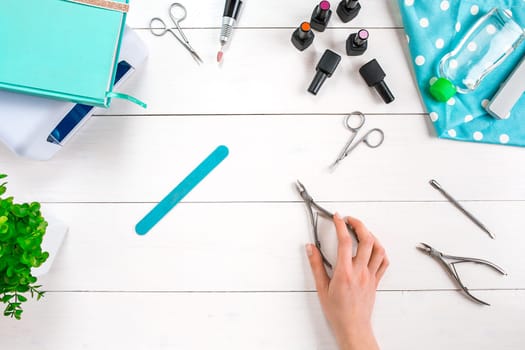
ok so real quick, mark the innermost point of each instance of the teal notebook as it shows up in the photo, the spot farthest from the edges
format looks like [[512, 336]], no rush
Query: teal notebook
[[62, 49]]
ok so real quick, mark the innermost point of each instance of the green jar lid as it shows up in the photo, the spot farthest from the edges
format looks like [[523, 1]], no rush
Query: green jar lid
[[442, 90]]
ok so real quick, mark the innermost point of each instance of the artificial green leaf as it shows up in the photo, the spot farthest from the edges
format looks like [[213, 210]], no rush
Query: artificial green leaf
[[6, 298], [22, 228], [22, 289], [35, 206]]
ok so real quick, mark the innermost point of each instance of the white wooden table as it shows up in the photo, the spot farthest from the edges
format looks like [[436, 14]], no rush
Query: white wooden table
[[226, 268]]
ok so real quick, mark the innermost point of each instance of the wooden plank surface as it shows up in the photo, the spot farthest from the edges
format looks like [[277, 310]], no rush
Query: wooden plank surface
[[263, 73], [403, 320], [140, 159], [263, 14], [226, 269], [260, 246]]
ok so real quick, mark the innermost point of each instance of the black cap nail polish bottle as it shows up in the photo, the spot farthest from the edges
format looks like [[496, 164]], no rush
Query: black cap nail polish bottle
[[374, 77], [303, 36], [357, 43], [348, 10], [325, 68], [321, 16]]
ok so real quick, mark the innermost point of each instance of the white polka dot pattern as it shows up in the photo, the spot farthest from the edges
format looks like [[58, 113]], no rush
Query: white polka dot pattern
[[435, 29], [478, 136]]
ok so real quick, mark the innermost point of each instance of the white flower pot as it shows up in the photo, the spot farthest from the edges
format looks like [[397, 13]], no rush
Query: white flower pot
[[55, 234]]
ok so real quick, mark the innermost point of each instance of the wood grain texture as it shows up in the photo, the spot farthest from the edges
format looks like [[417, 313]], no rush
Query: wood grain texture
[[403, 320], [263, 73], [140, 159], [260, 246], [226, 269], [264, 13]]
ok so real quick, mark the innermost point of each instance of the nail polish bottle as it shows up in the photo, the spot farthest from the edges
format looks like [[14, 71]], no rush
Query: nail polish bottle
[[348, 10], [321, 16], [357, 43], [325, 68], [303, 36], [374, 76]]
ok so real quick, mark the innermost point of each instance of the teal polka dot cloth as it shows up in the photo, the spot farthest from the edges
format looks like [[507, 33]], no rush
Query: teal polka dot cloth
[[434, 28]]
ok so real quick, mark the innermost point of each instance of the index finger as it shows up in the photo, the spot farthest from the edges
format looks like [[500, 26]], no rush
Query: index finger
[[341, 229], [344, 247], [366, 241]]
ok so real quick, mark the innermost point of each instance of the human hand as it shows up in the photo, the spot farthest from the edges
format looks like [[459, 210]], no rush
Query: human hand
[[348, 297]]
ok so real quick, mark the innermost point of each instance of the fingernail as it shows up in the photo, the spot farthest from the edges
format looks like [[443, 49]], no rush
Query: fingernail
[[337, 216], [309, 250]]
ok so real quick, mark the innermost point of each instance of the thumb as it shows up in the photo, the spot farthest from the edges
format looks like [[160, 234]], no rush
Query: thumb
[[318, 270]]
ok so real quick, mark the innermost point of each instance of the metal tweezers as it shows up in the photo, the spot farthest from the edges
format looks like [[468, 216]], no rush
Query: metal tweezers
[[449, 263], [314, 210]]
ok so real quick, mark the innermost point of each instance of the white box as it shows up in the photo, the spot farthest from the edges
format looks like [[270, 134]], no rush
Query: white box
[[37, 128]]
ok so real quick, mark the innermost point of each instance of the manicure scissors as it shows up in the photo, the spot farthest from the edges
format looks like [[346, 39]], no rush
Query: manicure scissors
[[373, 138], [178, 13], [449, 263], [312, 206]]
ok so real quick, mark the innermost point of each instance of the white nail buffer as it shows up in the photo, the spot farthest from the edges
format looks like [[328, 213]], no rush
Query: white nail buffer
[[509, 94]]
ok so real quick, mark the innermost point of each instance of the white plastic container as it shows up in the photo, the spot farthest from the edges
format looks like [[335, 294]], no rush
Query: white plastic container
[[53, 239]]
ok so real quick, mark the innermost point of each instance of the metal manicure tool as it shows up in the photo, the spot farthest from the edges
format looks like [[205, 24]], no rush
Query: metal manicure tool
[[373, 138], [314, 210], [158, 27], [449, 263], [451, 199]]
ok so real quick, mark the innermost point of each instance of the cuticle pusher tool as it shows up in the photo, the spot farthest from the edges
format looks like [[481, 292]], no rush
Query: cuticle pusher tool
[[452, 200]]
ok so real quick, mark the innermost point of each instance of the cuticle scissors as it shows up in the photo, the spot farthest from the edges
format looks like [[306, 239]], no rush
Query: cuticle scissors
[[449, 263], [163, 28], [366, 139]]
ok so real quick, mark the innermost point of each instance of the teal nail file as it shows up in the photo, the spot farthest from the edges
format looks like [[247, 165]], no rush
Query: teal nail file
[[182, 190]]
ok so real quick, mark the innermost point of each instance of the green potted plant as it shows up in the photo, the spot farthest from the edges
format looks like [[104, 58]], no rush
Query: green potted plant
[[22, 230]]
